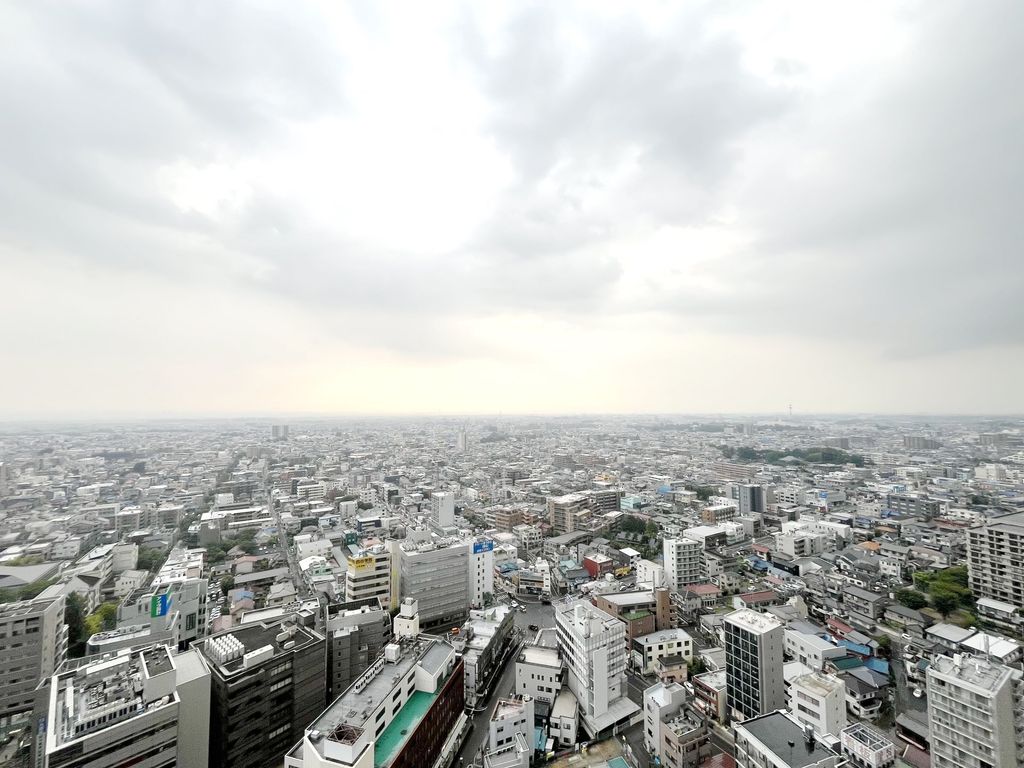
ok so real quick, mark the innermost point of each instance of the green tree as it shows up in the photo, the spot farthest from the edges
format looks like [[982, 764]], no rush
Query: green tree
[[945, 602], [651, 529], [227, 583], [884, 643], [911, 598], [150, 559], [74, 617]]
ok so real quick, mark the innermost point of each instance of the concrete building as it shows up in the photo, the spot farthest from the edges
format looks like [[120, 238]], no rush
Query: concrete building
[[974, 713], [683, 740], [510, 733], [684, 562], [753, 664], [436, 574], [442, 509], [993, 561], [865, 747], [569, 512], [650, 574], [661, 703], [146, 708], [368, 574], [405, 711], [268, 683], [481, 571], [539, 673], [819, 701], [593, 646], [810, 649], [647, 650], [483, 642], [356, 634], [33, 644], [778, 740]]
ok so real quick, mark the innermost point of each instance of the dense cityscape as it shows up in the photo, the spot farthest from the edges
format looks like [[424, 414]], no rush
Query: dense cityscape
[[790, 591]]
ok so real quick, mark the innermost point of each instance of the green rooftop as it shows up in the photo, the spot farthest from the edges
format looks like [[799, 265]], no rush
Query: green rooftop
[[402, 726], [634, 615]]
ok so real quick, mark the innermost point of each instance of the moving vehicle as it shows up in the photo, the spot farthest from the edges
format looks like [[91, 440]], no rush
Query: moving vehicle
[[533, 628]]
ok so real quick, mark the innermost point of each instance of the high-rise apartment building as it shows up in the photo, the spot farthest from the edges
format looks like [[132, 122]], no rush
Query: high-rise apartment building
[[144, 708], [593, 647], [995, 559], [975, 713], [33, 644], [442, 509], [753, 664], [481, 571], [684, 562], [751, 499], [268, 681], [569, 512]]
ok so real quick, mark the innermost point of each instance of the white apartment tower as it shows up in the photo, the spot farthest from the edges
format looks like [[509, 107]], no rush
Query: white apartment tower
[[975, 714], [442, 509], [753, 664], [593, 646], [684, 562], [481, 571], [368, 574]]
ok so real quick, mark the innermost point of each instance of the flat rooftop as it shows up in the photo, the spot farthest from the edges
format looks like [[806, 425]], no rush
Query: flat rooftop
[[405, 722], [786, 740], [752, 621], [253, 637]]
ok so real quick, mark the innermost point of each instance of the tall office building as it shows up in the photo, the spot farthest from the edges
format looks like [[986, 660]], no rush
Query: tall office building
[[684, 562], [369, 575], [753, 664], [593, 647], [442, 509], [33, 644], [751, 499], [994, 563], [974, 713], [356, 635], [279, 432], [144, 708], [268, 682], [436, 574]]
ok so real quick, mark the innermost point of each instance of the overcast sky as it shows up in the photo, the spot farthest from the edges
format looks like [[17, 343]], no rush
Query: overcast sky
[[221, 208]]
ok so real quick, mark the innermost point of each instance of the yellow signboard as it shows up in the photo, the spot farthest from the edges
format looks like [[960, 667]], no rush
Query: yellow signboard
[[360, 563]]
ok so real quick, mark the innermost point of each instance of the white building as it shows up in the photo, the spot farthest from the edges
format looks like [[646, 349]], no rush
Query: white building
[[648, 649], [33, 644], [130, 708], [539, 673], [436, 573], [442, 509], [974, 711], [650, 574], [866, 748], [481, 571], [753, 664], [684, 562], [810, 650], [661, 702], [593, 646], [819, 701], [511, 728]]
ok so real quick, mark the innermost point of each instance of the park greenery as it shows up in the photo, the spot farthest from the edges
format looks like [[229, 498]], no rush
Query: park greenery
[[821, 455]]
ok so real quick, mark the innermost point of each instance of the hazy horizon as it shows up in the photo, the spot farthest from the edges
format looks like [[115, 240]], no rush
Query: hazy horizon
[[484, 208]]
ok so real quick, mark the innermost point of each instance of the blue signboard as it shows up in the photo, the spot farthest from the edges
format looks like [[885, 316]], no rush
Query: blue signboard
[[482, 546], [159, 605]]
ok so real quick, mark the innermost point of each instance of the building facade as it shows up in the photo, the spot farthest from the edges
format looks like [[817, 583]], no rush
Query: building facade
[[753, 664]]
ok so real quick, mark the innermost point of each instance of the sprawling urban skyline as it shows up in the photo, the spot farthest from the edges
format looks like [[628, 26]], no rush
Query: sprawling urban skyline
[[510, 208]]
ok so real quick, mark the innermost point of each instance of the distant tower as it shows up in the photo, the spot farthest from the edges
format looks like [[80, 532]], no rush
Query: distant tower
[[279, 432], [460, 441], [791, 410]]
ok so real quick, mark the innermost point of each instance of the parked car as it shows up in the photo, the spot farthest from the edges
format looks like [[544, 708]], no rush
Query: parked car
[[533, 628]]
